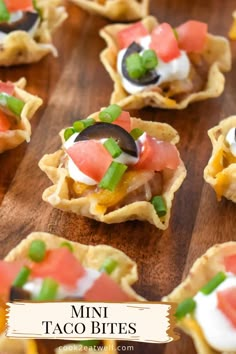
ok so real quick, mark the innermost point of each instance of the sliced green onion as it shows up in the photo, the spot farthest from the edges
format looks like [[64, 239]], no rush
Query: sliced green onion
[[80, 125], [48, 290], [111, 113], [113, 176], [68, 245], [112, 147], [134, 66], [109, 265], [15, 105], [213, 283], [149, 59], [37, 9], [89, 343], [37, 250], [176, 33], [4, 13], [185, 307], [136, 133], [68, 133], [21, 277], [159, 204]]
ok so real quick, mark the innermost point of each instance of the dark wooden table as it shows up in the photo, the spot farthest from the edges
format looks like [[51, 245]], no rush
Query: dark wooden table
[[72, 87]]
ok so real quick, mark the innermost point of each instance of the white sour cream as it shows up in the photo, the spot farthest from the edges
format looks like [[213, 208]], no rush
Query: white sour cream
[[217, 329], [231, 140], [176, 69], [77, 175], [82, 286]]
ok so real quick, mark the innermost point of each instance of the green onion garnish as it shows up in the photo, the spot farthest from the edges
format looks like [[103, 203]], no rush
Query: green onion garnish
[[21, 277], [113, 176], [68, 133], [89, 343], [48, 290], [4, 13], [37, 250], [159, 204], [213, 283], [80, 125], [112, 147], [136, 133], [185, 307], [15, 105], [111, 113], [149, 59], [134, 66], [68, 245], [37, 9], [109, 265], [176, 33]]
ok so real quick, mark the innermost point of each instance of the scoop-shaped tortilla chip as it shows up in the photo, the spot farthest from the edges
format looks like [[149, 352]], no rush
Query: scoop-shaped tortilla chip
[[93, 257], [58, 195], [12, 138], [220, 171], [216, 54], [17, 346], [18, 47], [202, 271], [232, 32], [116, 10]]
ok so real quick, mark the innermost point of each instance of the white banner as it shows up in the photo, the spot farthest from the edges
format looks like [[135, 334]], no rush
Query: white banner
[[142, 322]]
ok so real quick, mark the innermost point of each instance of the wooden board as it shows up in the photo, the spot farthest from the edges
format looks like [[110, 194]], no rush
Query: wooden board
[[75, 85]]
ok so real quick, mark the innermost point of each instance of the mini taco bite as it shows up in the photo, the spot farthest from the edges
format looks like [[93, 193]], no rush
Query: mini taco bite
[[207, 301], [220, 171], [116, 10], [45, 267], [17, 107], [115, 168], [26, 29], [157, 65]]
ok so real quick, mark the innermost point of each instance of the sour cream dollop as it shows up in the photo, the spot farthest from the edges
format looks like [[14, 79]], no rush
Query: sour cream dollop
[[217, 329], [176, 69], [82, 286], [231, 140]]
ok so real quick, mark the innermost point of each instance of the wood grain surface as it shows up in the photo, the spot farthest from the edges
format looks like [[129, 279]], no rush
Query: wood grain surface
[[72, 87]]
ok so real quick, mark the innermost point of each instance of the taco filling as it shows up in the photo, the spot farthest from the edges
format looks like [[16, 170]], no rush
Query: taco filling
[[113, 165], [10, 108], [18, 16], [167, 60], [214, 308]]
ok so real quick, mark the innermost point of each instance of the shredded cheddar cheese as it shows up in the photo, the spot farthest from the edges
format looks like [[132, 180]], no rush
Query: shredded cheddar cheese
[[232, 32]]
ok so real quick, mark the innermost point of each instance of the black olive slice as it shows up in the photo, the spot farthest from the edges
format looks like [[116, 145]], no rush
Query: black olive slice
[[27, 22], [107, 130], [19, 294], [151, 76]]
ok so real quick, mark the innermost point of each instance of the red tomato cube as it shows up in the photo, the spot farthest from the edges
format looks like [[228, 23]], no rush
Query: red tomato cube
[[192, 36], [131, 34], [164, 43]]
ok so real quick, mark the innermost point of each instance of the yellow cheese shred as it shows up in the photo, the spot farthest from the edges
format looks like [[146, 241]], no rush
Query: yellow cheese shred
[[232, 32]]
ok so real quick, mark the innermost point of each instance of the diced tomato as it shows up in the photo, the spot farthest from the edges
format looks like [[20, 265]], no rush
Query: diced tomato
[[227, 303], [8, 273], [15, 5], [7, 87], [91, 157], [157, 155], [61, 265], [164, 43], [4, 122], [124, 121], [192, 36], [131, 34], [106, 289], [230, 263]]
